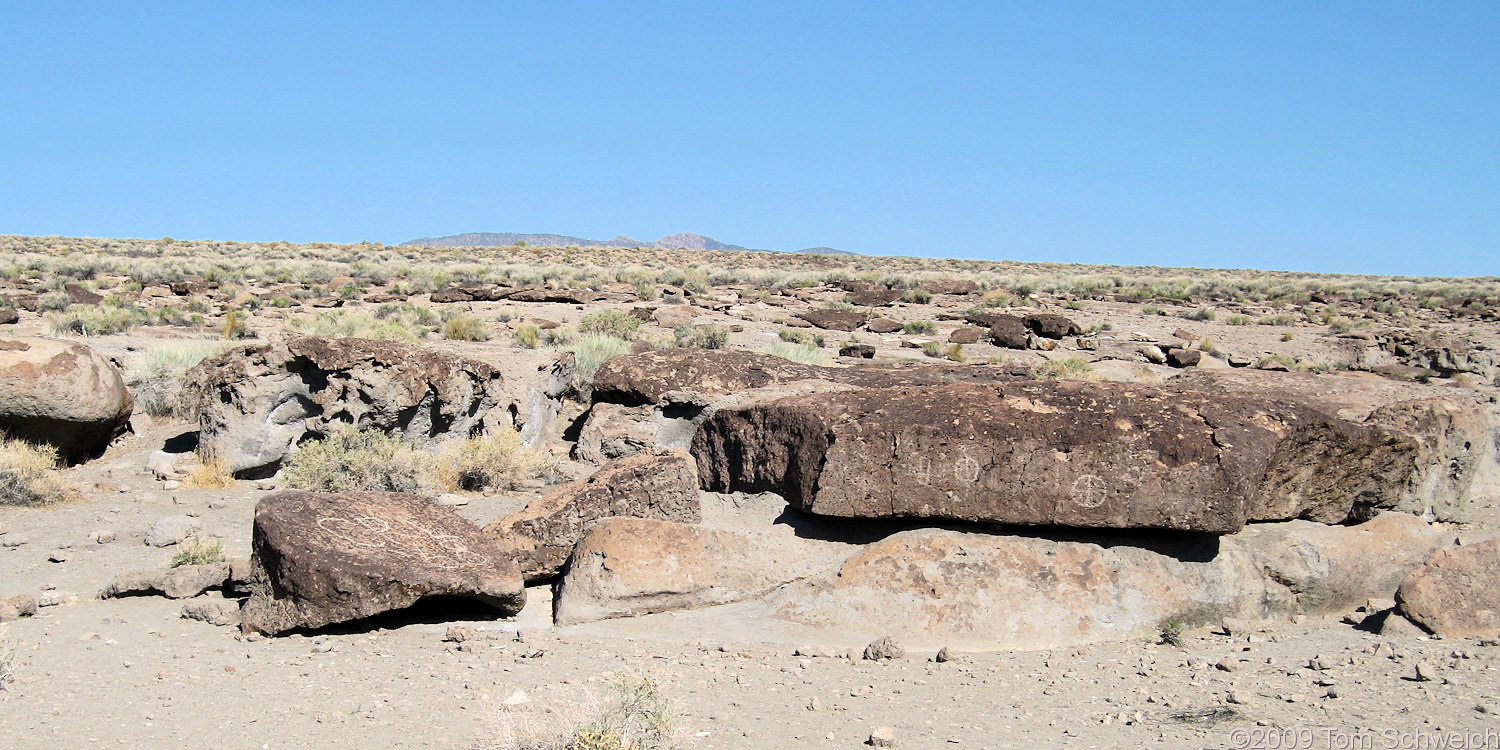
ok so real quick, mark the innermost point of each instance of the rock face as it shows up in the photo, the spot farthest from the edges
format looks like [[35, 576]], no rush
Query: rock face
[[256, 403], [646, 377], [935, 587], [182, 582], [660, 484], [835, 320], [882, 325], [1052, 325], [1456, 593], [321, 559], [1083, 454], [1009, 331], [627, 567], [61, 394]]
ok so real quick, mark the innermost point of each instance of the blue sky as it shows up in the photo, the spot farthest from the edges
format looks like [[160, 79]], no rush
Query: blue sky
[[1354, 137]]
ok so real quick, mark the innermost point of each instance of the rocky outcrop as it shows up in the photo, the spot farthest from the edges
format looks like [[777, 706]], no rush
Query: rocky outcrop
[[1009, 332], [1085, 454], [835, 320], [1456, 593], [1052, 325], [949, 286], [882, 325], [658, 484], [874, 297], [61, 394], [182, 582], [321, 559], [626, 567], [544, 399], [256, 403]]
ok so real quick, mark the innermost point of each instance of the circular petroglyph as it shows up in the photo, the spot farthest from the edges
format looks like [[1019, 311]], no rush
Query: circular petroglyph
[[966, 468], [1089, 491]]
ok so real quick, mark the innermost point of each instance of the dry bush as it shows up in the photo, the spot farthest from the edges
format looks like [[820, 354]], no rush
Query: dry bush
[[635, 715], [29, 475], [609, 322], [155, 376], [497, 460], [1067, 368], [591, 352], [465, 328], [807, 354], [350, 459], [198, 551], [10, 662], [211, 473]]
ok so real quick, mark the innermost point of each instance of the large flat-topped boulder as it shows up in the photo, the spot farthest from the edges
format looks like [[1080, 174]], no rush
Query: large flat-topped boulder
[[658, 484], [321, 559], [1086, 454], [62, 394], [256, 403], [644, 378]]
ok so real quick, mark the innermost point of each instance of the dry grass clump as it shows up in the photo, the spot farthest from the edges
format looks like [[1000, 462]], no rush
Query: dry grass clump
[[29, 475], [465, 328], [10, 662], [211, 473], [92, 320], [610, 322], [155, 376], [350, 459], [635, 715], [591, 352], [198, 551], [397, 325], [498, 460], [807, 354], [1067, 368]]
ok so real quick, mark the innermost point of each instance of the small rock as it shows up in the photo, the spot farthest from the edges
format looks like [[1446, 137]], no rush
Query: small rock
[[517, 698], [1153, 354], [1318, 663], [817, 705], [55, 599], [458, 634], [944, 655], [450, 500], [1397, 626], [882, 737], [103, 536], [58, 556], [171, 530], [1237, 697], [17, 607], [1227, 665], [885, 649], [12, 541], [213, 612], [1424, 672]]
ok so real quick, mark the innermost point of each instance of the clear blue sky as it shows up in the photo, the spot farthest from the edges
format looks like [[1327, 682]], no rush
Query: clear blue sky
[[1359, 137]]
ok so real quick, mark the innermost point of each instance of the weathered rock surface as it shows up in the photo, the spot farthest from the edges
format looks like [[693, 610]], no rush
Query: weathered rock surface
[[61, 394], [182, 582], [949, 286], [1178, 357], [835, 320], [1052, 325], [321, 559], [13, 608], [625, 567], [874, 297], [257, 402], [1456, 593], [1084, 454], [1009, 331], [659, 484], [882, 325], [965, 336]]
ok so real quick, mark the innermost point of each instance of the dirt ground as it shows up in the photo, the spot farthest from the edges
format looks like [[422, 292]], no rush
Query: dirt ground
[[133, 672]]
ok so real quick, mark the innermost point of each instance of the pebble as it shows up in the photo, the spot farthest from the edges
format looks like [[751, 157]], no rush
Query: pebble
[[1424, 672], [102, 536], [883, 737], [1227, 665]]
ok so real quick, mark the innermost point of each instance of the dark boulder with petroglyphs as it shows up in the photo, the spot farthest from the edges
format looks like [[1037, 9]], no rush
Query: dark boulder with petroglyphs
[[1068, 453], [321, 559]]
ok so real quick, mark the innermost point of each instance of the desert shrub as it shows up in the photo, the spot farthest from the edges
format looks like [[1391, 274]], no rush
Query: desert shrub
[[29, 476], [465, 328], [54, 302], [1237, 320], [349, 459], [590, 353], [647, 291], [806, 354], [699, 337], [528, 336], [609, 322], [932, 349], [1280, 319], [635, 715], [10, 661], [498, 460], [1073, 304], [1200, 314], [91, 320], [1171, 631], [235, 326], [558, 336], [917, 296], [795, 336], [925, 327], [400, 325], [155, 376], [842, 305], [955, 353], [1067, 368], [1340, 324], [198, 551], [1151, 310], [210, 473]]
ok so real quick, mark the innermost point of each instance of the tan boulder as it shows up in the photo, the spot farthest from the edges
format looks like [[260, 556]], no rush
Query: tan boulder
[[63, 394], [1456, 593]]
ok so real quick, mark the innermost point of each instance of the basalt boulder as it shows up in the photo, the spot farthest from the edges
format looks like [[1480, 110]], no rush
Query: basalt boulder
[[321, 559], [255, 404], [1456, 593], [61, 394], [835, 320], [659, 484], [1069, 453], [1052, 325]]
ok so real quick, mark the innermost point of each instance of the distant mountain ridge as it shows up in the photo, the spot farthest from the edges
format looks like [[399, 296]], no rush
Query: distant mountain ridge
[[680, 241]]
